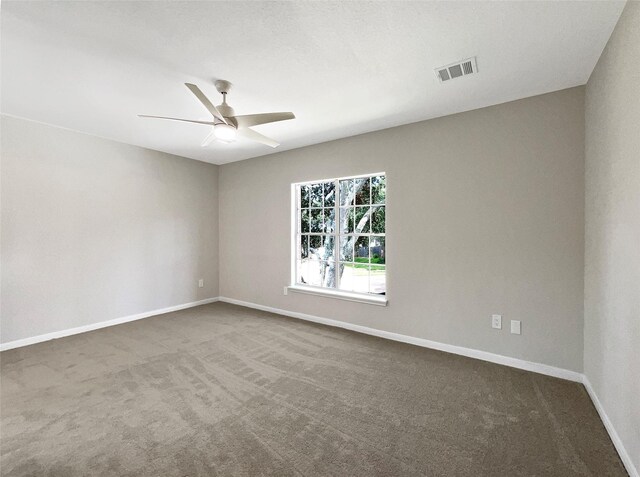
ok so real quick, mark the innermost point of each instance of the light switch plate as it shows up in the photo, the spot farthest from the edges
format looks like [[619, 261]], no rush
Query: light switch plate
[[516, 327], [496, 322]]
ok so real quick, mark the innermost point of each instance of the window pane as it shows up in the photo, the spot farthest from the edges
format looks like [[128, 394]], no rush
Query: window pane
[[346, 192], [355, 277], [361, 250], [304, 196], [378, 189], [378, 251], [316, 273], [303, 245], [328, 249], [362, 220], [321, 247], [317, 223], [315, 198], [346, 249], [362, 187], [323, 273], [304, 220], [309, 272], [346, 220], [329, 194], [315, 246], [377, 280], [377, 220], [329, 274], [330, 220]]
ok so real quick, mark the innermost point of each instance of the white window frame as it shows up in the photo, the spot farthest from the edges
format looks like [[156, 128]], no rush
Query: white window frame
[[380, 300]]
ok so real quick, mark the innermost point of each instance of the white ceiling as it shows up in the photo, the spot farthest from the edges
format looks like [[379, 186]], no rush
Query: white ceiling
[[343, 68]]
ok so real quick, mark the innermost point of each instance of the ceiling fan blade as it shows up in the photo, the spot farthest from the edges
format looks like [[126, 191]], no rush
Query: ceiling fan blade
[[209, 123], [205, 101], [257, 137], [249, 120], [209, 139]]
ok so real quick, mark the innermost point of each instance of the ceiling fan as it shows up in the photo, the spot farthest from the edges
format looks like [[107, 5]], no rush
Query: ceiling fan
[[226, 126]]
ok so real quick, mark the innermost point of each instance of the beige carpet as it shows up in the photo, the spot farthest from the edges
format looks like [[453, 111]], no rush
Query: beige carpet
[[224, 390]]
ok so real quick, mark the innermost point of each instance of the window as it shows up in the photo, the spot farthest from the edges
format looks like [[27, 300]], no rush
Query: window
[[340, 245]]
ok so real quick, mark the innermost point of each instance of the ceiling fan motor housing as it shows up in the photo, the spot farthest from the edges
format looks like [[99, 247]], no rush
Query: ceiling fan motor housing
[[226, 110]]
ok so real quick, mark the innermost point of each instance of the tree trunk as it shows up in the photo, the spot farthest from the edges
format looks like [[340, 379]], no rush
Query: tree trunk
[[328, 273]]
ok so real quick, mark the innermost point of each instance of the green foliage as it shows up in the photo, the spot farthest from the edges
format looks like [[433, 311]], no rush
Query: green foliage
[[375, 260], [378, 190]]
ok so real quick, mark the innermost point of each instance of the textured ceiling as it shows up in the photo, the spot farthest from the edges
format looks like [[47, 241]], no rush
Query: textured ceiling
[[343, 68]]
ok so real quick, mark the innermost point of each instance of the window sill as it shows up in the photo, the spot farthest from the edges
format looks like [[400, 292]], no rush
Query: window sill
[[379, 300]]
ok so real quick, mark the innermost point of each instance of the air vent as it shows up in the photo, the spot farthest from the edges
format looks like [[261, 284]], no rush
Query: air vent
[[456, 70]]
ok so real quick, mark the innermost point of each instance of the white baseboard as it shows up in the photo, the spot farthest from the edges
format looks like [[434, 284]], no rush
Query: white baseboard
[[617, 442], [103, 324], [469, 352]]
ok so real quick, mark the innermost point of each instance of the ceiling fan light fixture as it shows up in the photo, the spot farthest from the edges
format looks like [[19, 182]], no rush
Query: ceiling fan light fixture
[[224, 132]]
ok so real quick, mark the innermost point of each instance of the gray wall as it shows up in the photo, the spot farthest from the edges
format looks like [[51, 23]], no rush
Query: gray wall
[[612, 249], [94, 230], [493, 199]]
